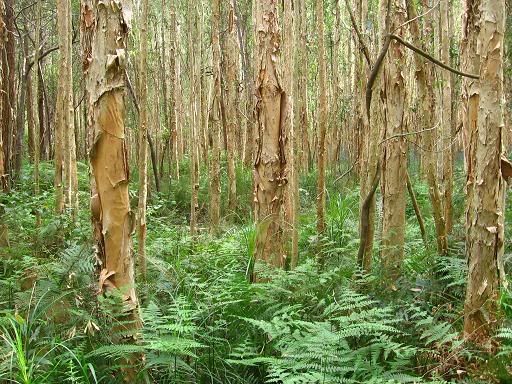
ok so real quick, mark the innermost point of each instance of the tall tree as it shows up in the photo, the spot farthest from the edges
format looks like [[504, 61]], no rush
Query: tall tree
[[424, 78], [322, 119], [8, 95], [483, 44], [394, 149], [270, 175], [231, 90], [447, 118], [143, 135], [290, 12], [215, 123], [194, 39], [104, 33]]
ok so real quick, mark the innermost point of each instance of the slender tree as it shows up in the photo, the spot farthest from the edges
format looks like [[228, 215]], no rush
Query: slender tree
[[215, 122], [322, 119], [424, 78], [143, 135]]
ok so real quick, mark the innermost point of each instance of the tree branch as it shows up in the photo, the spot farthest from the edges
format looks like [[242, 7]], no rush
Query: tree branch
[[364, 48]]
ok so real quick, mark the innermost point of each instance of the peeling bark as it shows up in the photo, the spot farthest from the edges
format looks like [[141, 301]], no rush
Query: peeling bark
[[270, 173], [105, 26], [483, 45], [394, 159]]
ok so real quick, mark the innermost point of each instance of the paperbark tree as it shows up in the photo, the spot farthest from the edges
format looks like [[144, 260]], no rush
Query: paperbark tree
[[483, 42], [143, 134], [270, 175], [194, 34], [424, 78], [105, 29], [291, 153], [215, 123], [322, 119], [231, 90], [447, 119], [8, 95], [394, 150]]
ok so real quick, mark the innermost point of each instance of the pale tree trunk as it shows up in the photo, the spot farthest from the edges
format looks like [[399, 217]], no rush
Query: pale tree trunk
[[143, 134], [3, 32], [175, 94], [270, 175], [424, 78], [394, 152], [104, 31], [368, 166], [322, 120], [37, 153], [483, 41], [302, 89], [215, 122], [60, 111], [8, 93], [291, 163], [70, 166], [447, 153], [231, 92], [195, 110]]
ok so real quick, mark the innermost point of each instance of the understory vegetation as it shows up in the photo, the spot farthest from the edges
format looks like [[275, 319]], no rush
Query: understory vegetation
[[205, 322]]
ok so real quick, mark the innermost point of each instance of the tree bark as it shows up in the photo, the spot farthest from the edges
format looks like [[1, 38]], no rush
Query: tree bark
[[215, 124], [483, 41], [322, 120], [394, 156], [143, 145], [270, 174], [104, 32], [424, 78]]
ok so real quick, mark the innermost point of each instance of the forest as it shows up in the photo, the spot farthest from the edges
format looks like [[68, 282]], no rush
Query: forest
[[250, 192]]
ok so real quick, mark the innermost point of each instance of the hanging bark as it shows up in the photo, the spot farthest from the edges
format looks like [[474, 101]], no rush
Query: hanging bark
[[424, 78], [104, 33], [215, 123], [143, 135], [322, 120], [483, 41], [270, 175]]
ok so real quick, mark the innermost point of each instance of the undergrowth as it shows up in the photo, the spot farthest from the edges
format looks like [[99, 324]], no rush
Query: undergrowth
[[204, 322]]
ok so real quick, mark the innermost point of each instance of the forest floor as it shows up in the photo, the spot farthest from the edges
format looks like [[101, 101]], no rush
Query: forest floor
[[204, 322]]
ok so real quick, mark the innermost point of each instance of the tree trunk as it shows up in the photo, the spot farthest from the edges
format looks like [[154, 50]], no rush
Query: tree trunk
[[270, 174], [447, 118], [483, 41], [8, 96], [231, 92], [106, 28], [215, 123], [394, 155], [322, 120], [195, 113], [289, 84], [143, 144], [424, 78]]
